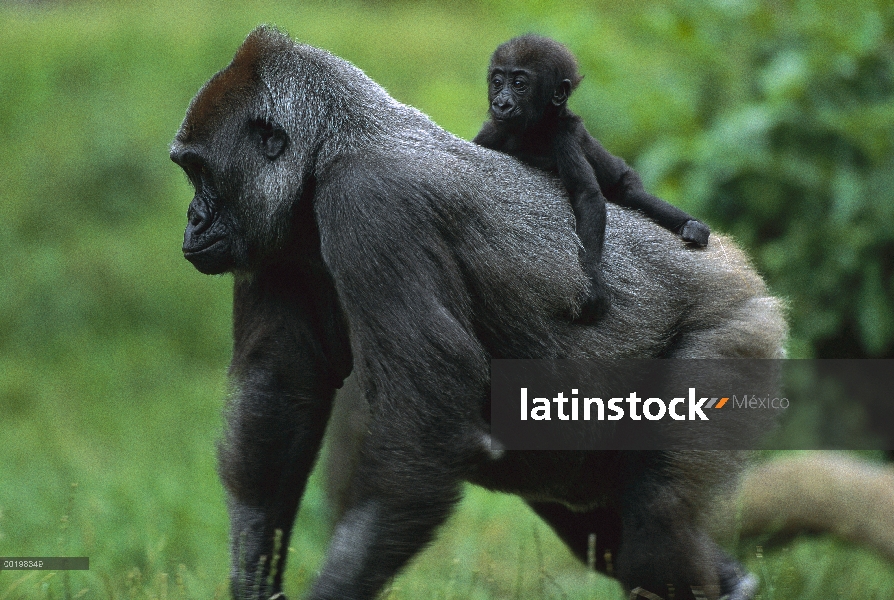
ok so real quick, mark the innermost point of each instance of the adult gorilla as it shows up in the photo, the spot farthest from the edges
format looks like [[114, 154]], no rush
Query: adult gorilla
[[360, 233]]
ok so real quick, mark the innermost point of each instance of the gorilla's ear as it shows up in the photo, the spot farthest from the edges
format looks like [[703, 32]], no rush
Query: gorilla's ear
[[272, 138], [563, 90]]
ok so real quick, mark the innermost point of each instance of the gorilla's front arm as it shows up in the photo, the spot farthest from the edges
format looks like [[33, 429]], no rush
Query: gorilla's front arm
[[290, 354]]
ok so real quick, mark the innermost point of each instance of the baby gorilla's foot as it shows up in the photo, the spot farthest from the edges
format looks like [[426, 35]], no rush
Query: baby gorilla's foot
[[695, 232], [596, 303]]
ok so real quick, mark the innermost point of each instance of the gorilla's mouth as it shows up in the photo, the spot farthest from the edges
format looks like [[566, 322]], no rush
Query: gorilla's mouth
[[193, 252], [513, 119], [505, 116], [211, 259]]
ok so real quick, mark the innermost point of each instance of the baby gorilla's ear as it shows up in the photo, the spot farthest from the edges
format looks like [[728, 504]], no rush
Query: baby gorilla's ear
[[560, 96]]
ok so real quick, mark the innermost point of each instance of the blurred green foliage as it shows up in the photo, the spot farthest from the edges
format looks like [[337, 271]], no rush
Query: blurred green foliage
[[793, 153], [772, 121]]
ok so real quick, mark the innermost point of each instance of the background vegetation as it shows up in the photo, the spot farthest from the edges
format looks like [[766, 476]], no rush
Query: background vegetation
[[773, 121]]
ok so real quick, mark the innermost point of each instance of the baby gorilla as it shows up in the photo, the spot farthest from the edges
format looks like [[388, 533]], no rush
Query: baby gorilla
[[529, 81]]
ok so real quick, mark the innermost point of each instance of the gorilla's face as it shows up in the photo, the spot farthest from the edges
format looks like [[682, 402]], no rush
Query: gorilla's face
[[242, 196], [207, 240]]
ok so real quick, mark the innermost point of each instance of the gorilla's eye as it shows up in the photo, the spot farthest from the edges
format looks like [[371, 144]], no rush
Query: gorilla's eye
[[497, 82], [194, 166], [518, 84]]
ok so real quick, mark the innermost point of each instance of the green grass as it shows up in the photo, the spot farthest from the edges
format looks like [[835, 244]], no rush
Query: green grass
[[493, 547], [113, 349]]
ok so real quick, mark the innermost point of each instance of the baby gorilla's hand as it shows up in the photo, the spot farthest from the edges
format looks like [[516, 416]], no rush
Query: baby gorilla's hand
[[695, 232]]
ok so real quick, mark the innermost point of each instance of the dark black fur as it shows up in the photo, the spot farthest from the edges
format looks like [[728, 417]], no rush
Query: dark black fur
[[529, 81], [364, 238]]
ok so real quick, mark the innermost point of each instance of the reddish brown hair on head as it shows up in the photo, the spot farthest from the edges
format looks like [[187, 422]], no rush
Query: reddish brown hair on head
[[243, 72]]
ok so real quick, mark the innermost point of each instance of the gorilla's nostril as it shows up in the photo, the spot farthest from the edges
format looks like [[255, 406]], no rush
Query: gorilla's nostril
[[198, 215]]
